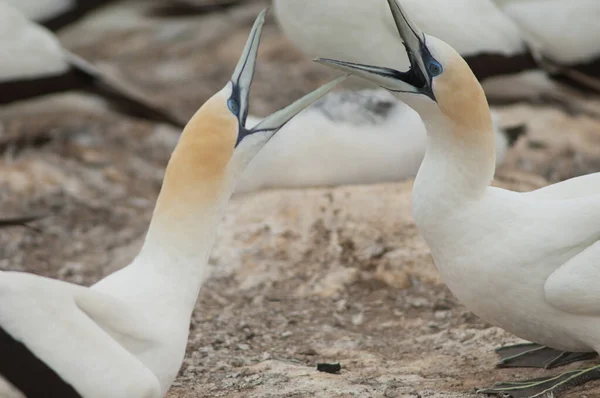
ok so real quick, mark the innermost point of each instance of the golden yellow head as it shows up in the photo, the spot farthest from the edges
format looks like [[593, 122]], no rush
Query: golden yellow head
[[208, 140], [215, 146], [457, 91]]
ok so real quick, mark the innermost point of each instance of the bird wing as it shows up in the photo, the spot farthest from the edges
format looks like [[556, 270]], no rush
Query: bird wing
[[28, 50], [129, 328], [574, 286], [485, 37], [565, 32], [57, 325], [578, 187]]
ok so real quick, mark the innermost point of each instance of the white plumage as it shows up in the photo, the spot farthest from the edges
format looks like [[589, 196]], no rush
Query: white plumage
[[27, 50], [527, 262], [567, 32], [363, 31], [494, 36], [362, 137], [125, 337], [33, 63], [39, 10]]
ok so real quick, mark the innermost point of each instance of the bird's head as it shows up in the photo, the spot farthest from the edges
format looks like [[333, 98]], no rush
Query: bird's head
[[217, 134], [439, 83]]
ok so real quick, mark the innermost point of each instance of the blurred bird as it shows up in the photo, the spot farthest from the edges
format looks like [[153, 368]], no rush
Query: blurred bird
[[565, 33], [55, 14], [353, 138], [125, 337], [33, 63], [526, 262], [348, 138], [491, 42]]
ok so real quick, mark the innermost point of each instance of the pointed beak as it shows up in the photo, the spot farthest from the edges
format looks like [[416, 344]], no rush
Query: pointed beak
[[417, 80], [278, 119], [244, 71], [242, 80]]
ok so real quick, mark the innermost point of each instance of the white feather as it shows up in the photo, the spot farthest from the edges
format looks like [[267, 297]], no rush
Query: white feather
[[340, 141], [38, 10], [567, 32], [363, 31], [27, 50]]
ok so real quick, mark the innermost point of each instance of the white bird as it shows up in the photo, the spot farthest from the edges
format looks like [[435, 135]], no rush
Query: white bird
[[33, 63], [527, 262], [496, 48], [351, 138], [55, 14], [363, 31], [565, 33], [347, 138], [125, 337]]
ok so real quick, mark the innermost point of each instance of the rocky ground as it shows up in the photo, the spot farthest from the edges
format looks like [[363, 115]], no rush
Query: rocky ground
[[300, 277]]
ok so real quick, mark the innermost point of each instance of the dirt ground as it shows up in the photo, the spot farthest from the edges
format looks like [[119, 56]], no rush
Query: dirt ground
[[300, 277]]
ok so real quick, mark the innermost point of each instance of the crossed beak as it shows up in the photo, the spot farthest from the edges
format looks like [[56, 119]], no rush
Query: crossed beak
[[242, 80]]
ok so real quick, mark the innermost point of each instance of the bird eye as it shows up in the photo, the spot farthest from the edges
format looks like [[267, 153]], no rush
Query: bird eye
[[233, 106], [435, 69]]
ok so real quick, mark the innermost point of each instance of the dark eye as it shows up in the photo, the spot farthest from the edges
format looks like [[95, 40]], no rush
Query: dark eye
[[233, 106], [435, 69]]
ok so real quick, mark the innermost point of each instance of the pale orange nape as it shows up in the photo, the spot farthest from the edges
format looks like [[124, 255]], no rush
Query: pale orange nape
[[196, 171], [462, 99]]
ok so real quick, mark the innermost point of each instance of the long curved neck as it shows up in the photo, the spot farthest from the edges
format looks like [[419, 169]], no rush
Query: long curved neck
[[169, 270], [191, 204], [458, 167]]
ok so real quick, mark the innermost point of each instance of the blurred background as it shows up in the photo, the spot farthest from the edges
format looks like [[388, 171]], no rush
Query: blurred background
[[300, 276]]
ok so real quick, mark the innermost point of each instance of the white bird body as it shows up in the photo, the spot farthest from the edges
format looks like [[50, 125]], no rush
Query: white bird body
[[500, 39], [363, 31], [565, 33], [78, 332], [346, 138], [527, 262], [39, 10], [125, 337], [33, 63], [55, 14], [27, 50], [547, 21], [512, 258]]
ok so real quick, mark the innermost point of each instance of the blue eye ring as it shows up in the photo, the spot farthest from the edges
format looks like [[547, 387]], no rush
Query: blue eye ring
[[435, 69], [233, 106]]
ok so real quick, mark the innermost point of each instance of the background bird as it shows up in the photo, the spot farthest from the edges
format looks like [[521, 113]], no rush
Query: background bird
[[33, 63], [56, 14], [299, 276]]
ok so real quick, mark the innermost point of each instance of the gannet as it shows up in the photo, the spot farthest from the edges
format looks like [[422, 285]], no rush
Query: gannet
[[125, 337], [363, 31], [564, 32], [33, 63], [526, 262], [348, 137], [54, 14]]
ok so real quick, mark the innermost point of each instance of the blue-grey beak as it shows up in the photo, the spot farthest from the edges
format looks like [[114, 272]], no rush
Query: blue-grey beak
[[242, 80], [423, 67]]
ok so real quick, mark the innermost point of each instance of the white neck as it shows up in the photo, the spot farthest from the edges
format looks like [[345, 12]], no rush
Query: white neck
[[458, 167], [167, 274], [178, 244]]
